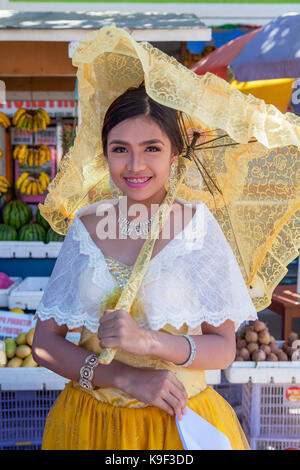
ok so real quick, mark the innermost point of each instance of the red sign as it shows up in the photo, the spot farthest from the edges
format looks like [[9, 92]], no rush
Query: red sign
[[293, 393], [63, 108]]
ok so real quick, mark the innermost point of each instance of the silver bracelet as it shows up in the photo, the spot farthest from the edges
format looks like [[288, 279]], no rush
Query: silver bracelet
[[87, 371], [192, 353]]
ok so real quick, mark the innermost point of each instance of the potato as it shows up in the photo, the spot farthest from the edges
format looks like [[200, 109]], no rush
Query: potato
[[251, 336], [266, 348], [274, 347], [259, 326], [272, 357], [239, 358], [292, 337], [244, 353], [282, 356], [264, 337], [241, 343], [272, 339], [252, 347], [258, 356]]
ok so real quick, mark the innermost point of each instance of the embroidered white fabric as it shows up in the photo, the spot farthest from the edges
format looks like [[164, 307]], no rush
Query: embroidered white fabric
[[195, 278]]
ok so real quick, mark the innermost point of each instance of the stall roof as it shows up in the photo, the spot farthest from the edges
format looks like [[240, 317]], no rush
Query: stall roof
[[70, 25]]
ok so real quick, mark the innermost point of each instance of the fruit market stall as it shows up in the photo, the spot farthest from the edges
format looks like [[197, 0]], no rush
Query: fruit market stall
[[269, 373]]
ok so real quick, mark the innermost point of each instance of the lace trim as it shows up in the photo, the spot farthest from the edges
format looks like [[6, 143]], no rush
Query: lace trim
[[75, 321]]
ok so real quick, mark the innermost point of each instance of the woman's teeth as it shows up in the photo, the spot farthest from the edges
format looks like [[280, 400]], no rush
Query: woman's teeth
[[135, 180]]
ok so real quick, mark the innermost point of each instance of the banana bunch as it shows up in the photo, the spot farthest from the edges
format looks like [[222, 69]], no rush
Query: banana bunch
[[32, 156], [4, 120], [44, 180], [4, 185], [29, 185], [31, 119]]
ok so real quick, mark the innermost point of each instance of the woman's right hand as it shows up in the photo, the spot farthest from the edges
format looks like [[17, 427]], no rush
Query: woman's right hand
[[159, 388]]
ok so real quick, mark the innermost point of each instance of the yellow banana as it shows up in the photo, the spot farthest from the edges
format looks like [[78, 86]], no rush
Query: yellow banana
[[40, 188], [42, 112], [24, 185], [4, 120], [20, 122], [15, 152], [17, 115], [35, 126], [1, 153], [30, 158], [28, 188], [29, 124], [34, 188], [21, 178]]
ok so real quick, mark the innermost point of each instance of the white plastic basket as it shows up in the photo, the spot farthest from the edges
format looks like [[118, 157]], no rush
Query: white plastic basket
[[274, 444], [4, 293], [28, 293], [264, 372], [269, 413], [19, 249]]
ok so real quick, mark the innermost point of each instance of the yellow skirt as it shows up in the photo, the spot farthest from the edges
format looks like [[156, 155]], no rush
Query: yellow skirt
[[78, 421]]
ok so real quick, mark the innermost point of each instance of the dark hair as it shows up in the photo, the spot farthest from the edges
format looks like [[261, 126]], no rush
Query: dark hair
[[135, 102]]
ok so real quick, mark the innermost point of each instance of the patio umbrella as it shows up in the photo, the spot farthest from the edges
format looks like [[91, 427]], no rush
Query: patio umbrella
[[274, 52], [217, 62], [269, 52]]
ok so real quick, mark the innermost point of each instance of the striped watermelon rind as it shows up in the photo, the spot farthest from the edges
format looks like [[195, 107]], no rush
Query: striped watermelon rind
[[40, 220], [32, 232], [8, 233], [53, 236], [17, 213]]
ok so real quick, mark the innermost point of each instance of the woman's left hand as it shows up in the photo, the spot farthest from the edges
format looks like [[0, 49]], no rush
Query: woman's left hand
[[117, 329]]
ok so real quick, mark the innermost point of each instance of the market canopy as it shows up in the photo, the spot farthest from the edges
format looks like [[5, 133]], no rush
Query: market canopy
[[72, 25]]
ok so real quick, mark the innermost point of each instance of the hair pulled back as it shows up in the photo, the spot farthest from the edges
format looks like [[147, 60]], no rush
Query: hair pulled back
[[135, 102]]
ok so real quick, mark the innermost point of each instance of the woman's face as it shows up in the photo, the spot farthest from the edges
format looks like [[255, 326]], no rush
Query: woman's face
[[139, 150]]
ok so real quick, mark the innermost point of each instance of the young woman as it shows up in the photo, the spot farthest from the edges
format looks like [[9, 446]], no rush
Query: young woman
[[188, 312]]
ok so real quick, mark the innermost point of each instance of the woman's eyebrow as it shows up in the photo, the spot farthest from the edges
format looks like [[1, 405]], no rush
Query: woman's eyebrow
[[146, 142]]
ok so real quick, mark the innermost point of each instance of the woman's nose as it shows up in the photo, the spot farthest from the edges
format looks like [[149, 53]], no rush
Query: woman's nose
[[135, 162]]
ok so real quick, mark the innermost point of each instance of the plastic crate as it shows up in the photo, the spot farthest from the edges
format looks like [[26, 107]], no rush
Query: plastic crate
[[4, 293], [22, 417], [274, 444], [28, 293], [268, 413], [19, 249]]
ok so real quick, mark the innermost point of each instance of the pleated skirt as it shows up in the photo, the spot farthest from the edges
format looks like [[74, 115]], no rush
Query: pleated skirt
[[78, 421]]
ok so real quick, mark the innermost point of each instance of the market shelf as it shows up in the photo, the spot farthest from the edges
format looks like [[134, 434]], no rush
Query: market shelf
[[18, 249]]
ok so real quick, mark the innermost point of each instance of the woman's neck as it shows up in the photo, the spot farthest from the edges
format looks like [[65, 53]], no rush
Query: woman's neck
[[130, 207]]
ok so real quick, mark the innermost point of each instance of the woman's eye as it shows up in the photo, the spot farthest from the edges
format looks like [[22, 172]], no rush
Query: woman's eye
[[153, 148], [119, 149]]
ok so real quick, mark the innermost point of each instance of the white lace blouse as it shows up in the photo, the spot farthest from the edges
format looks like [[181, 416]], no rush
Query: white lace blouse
[[195, 278]]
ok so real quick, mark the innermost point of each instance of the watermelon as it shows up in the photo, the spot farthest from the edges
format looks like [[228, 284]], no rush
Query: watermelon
[[17, 213], [32, 232], [53, 236], [8, 233], [41, 220]]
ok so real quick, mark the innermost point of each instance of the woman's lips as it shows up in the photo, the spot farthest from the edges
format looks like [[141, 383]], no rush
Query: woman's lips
[[138, 185]]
